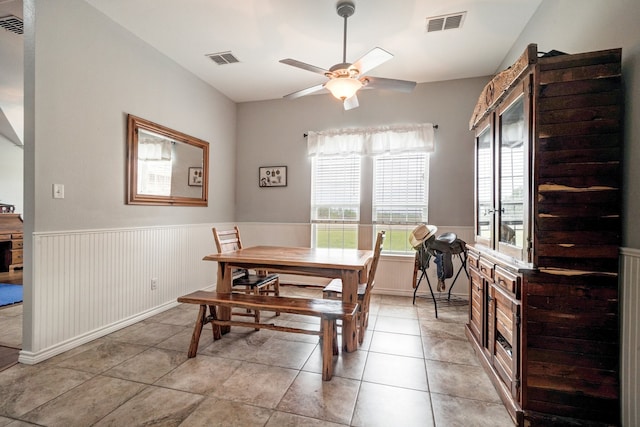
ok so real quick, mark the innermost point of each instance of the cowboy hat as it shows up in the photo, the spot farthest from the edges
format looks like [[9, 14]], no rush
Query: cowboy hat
[[421, 233]]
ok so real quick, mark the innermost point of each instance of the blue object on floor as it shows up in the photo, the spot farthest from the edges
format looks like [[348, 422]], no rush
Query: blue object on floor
[[10, 294]]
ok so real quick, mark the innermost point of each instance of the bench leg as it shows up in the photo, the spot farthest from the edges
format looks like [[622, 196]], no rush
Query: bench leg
[[276, 288], [197, 330], [335, 338], [349, 334], [256, 313], [217, 331], [328, 328]]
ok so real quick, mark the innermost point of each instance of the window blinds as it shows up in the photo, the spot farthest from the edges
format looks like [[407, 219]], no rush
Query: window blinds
[[400, 192], [335, 192]]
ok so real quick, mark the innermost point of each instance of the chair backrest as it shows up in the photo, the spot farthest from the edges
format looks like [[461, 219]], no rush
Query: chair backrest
[[374, 263], [227, 240], [371, 281]]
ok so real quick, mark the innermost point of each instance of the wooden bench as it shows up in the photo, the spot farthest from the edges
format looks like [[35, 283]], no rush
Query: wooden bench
[[327, 310]]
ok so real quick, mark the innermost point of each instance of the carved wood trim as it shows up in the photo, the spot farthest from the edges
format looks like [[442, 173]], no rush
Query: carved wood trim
[[501, 83]]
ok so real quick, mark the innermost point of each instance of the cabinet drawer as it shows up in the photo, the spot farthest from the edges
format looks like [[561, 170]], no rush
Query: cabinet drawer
[[16, 257], [5, 236], [16, 235], [486, 268], [473, 259], [16, 244], [507, 280]]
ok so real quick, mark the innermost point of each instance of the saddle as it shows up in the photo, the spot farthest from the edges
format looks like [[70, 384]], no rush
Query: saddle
[[442, 247]]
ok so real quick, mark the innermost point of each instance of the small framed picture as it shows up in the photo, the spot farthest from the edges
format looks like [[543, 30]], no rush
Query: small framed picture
[[272, 176], [195, 177]]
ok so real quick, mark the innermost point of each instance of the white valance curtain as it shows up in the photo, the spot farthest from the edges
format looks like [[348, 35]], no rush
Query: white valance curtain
[[154, 149], [372, 141]]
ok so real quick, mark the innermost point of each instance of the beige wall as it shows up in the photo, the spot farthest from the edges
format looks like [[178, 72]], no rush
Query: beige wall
[[270, 133], [83, 74], [89, 73]]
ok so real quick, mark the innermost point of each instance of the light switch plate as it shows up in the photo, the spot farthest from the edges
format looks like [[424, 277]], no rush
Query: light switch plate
[[58, 191]]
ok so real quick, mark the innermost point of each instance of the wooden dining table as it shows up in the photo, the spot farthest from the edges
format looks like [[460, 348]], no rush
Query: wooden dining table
[[350, 265]]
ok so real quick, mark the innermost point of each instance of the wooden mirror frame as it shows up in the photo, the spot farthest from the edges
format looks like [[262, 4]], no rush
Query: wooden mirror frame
[[134, 197]]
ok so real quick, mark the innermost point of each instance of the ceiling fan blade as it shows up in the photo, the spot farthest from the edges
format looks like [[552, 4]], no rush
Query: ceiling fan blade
[[371, 59], [351, 103], [390, 84], [304, 92], [298, 64]]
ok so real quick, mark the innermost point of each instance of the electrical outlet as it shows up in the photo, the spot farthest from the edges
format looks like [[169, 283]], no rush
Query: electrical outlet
[[154, 284]]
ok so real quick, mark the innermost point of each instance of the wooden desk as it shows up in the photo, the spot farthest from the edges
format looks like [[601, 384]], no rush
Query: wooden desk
[[349, 265], [10, 241]]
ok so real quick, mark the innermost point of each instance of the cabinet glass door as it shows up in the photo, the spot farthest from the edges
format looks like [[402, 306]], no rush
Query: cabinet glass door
[[484, 189], [512, 182]]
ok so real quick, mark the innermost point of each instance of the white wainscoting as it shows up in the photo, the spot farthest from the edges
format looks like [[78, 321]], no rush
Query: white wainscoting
[[630, 336], [395, 274], [89, 283]]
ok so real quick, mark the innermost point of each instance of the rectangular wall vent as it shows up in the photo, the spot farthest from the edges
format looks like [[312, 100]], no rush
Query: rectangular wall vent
[[445, 22], [223, 58], [12, 23]]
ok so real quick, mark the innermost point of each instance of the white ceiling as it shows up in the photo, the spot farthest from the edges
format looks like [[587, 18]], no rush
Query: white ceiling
[[261, 32]]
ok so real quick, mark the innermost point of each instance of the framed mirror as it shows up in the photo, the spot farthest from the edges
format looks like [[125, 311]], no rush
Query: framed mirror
[[165, 167]]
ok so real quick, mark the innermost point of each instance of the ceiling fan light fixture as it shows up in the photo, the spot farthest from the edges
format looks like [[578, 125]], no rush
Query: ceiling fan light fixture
[[345, 78], [343, 88]]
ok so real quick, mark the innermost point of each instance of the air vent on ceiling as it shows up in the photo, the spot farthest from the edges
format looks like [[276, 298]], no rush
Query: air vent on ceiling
[[445, 22], [223, 58], [12, 23]]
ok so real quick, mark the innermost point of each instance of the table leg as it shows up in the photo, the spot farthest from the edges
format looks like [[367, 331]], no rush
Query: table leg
[[223, 284], [350, 295]]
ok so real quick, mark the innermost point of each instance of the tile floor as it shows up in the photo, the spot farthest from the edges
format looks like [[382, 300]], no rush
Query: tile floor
[[412, 370]]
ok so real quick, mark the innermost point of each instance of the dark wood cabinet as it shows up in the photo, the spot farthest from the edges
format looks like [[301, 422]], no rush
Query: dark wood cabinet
[[543, 310], [11, 240]]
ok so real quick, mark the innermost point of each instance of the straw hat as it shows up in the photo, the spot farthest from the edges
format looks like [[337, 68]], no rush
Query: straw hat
[[421, 233]]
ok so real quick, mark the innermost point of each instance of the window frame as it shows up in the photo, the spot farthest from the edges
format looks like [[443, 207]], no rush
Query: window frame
[[397, 231]]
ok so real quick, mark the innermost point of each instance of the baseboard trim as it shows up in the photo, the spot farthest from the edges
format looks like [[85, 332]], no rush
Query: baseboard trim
[[32, 358]]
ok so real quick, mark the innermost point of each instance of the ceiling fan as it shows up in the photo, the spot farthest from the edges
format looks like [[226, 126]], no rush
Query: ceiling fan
[[345, 79]]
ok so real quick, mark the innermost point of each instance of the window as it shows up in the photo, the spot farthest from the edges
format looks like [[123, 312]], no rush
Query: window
[[154, 163], [335, 201], [400, 197], [374, 176], [154, 177]]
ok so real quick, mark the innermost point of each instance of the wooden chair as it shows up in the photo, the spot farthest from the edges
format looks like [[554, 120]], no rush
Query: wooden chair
[[334, 289], [243, 280]]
